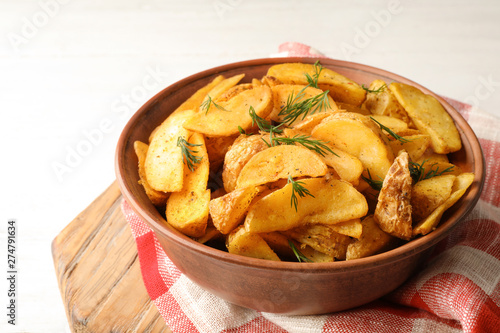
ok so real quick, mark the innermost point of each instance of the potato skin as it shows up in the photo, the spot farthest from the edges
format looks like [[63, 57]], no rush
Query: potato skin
[[242, 149], [158, 198], [393, 211]]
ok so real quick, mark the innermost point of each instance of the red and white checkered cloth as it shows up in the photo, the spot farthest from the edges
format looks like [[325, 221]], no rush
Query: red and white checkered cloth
[[458, 290]]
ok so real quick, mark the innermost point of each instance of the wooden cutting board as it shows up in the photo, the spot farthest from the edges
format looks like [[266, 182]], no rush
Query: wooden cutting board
[[97, 268]]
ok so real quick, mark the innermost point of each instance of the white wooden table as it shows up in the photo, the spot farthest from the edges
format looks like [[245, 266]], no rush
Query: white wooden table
[[72, 72]]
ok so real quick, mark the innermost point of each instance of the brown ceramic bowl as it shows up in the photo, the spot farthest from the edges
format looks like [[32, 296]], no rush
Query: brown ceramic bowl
[[287, 287]]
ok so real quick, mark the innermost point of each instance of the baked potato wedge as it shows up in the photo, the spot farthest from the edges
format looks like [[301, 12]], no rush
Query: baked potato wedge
[[217, 90], [247, 244], [158, 198], [340, 88], [322, 238], [331, 201], [239, 153], [372, 241], [280, 162], [229, 210], [414, 145], [429, 116], [227, 117], [381, 101], [460, 186], [360, 137], [393, 210], [187, 210], [164, 166], [428, 194]]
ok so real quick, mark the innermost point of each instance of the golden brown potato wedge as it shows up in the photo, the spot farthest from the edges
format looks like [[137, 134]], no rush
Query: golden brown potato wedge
[[280, 162], [187, 210], [393, 211], [428, 194], [248, 244], [352, 228], [279, 243], [232, 115], [360, 137], [381, 101], [211, 233], [322, 238], [240, 152], [229, 210], [231, 92], [460, 186], [394, 124], [217, 147], [164, 162], [340, 88], [271, 81], [414, 145], [332, 201], [256, 82], [372, 241], [216, 91], [429, 116], [158, 198], [347, 167]]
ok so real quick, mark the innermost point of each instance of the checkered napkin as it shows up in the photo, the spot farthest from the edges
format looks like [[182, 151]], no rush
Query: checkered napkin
[[458, 289]]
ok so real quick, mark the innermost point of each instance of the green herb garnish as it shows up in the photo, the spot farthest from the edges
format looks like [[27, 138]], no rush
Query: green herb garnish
[[418, 172], [391, 133], [294, 108], [241, 130], [188, 154], [263, 124], [209, 102], [317, 146], [374, 184], [375, 91], [297, 188], [300, 256], [313, 81]]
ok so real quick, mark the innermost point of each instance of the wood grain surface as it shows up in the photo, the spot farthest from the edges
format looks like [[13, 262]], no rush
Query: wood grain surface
[[97, 268]]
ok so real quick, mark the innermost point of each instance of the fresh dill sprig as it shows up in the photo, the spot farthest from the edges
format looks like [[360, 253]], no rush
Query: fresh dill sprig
[[418, 172], [188, 154], [391, 133], [374, 184], [317, 146], [242, 131], [300, 256], [375, 91], [297, 188], [263, 124], [209, 102], [312, 81], [295, 108]]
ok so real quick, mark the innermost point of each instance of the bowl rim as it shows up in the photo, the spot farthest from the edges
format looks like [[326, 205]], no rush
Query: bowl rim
[[401, 252]]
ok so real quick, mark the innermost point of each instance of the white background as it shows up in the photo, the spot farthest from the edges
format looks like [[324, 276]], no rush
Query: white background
[[74, 69]]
